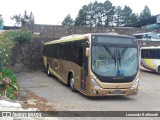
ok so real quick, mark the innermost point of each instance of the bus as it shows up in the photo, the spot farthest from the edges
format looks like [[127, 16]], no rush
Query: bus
[[150, 59], [150, 36], [95, 64]]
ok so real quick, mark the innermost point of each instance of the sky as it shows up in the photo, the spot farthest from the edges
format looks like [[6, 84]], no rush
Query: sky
[[53, 12]]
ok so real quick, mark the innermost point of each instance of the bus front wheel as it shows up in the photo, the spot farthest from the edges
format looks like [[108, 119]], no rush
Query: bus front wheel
[[158, 70], [72, 82]]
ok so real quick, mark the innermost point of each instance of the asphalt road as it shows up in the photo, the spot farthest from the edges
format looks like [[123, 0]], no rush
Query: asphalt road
[[148, 98]]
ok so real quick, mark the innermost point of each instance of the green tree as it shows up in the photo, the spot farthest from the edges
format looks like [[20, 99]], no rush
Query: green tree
[[118, 16], [108, 13], [146, 13], [68, 21], [81, 19], [94, 14], [105, 14], [126, 15], [97, 14], [133, 18], [23, 19], [1, 22]]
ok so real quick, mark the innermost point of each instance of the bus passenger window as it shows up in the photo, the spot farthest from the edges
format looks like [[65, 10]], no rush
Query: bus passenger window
[[153, 54], [158, 53]]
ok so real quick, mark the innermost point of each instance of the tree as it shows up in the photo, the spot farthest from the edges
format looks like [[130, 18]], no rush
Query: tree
[[97, 14], [126, 15], [134, 18], [22, 20], [94, 14], [81, 19], [68, 21], [88, 15], [108, 13], [118, 16], [146, 13], [1, 22]]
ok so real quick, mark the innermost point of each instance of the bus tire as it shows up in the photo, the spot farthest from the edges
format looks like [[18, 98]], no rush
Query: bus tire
[[158, 72], [71, 83], [48, 72]]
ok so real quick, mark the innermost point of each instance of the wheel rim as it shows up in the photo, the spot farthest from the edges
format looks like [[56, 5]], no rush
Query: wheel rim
[[72, 82]]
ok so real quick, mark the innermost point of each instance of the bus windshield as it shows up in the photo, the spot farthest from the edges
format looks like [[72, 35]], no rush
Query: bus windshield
[[114, 61]]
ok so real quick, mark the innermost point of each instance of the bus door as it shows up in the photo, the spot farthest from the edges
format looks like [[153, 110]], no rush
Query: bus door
[[84, 72]]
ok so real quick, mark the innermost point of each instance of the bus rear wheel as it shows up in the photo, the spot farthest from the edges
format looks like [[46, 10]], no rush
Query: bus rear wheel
[[48, 72], [71, 83], [158, 70]]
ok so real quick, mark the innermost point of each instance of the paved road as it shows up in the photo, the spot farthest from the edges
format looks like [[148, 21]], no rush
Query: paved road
[[148, 98]]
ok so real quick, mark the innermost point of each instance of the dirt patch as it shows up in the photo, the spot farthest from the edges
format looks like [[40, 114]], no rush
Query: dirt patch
[[34, 101]]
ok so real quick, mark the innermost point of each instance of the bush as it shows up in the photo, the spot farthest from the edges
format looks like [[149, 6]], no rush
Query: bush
[[8, 82], [8, 79], [19, 35], [7, 42], [6, 45]]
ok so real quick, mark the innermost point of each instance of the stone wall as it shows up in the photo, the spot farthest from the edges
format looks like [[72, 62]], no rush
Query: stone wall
[[30, 53], [57, 31]]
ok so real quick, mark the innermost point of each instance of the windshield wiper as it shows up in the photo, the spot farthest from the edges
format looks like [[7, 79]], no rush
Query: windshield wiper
[[111, 54], [123, 52], [119, 57]]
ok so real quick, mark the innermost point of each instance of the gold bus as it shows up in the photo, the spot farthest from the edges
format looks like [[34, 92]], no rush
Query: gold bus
[[95, 64]]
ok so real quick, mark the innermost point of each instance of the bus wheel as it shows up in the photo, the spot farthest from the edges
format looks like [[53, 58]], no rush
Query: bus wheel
[[158, 70], [48, 72], [72, 83]]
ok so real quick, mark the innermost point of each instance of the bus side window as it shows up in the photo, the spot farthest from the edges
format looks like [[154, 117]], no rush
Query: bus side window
[[153, 54], [158, 53], [53, 51], [148, 54], [65, 52], [144, 54], [61, 51]]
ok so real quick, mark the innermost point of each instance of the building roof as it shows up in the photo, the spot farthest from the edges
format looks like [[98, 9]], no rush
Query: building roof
[[143, 22], [11, 27]]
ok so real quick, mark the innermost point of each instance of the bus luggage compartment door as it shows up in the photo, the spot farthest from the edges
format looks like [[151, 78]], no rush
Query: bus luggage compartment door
[[55, 64]]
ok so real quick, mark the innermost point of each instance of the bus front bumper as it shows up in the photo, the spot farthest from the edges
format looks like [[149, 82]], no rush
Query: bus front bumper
[[94, 91]]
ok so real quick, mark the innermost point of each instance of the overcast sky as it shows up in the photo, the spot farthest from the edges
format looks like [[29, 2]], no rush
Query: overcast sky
[[54, 11]]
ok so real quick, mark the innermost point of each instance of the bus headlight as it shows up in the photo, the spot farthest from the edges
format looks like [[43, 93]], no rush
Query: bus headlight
[[135, 83], [94, 83]]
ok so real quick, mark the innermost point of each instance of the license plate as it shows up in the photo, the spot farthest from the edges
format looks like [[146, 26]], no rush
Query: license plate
[[117, 92]]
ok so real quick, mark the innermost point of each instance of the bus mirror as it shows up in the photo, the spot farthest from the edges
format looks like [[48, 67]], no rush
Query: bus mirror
[[87, 52]]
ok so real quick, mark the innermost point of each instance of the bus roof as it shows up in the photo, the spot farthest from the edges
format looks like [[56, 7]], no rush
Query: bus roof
[[67, 39], [83, 36], [145, 33], [112, 34], [151, 47]]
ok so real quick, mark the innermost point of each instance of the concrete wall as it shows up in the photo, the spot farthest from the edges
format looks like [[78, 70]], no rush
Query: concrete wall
[[30, 53]]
